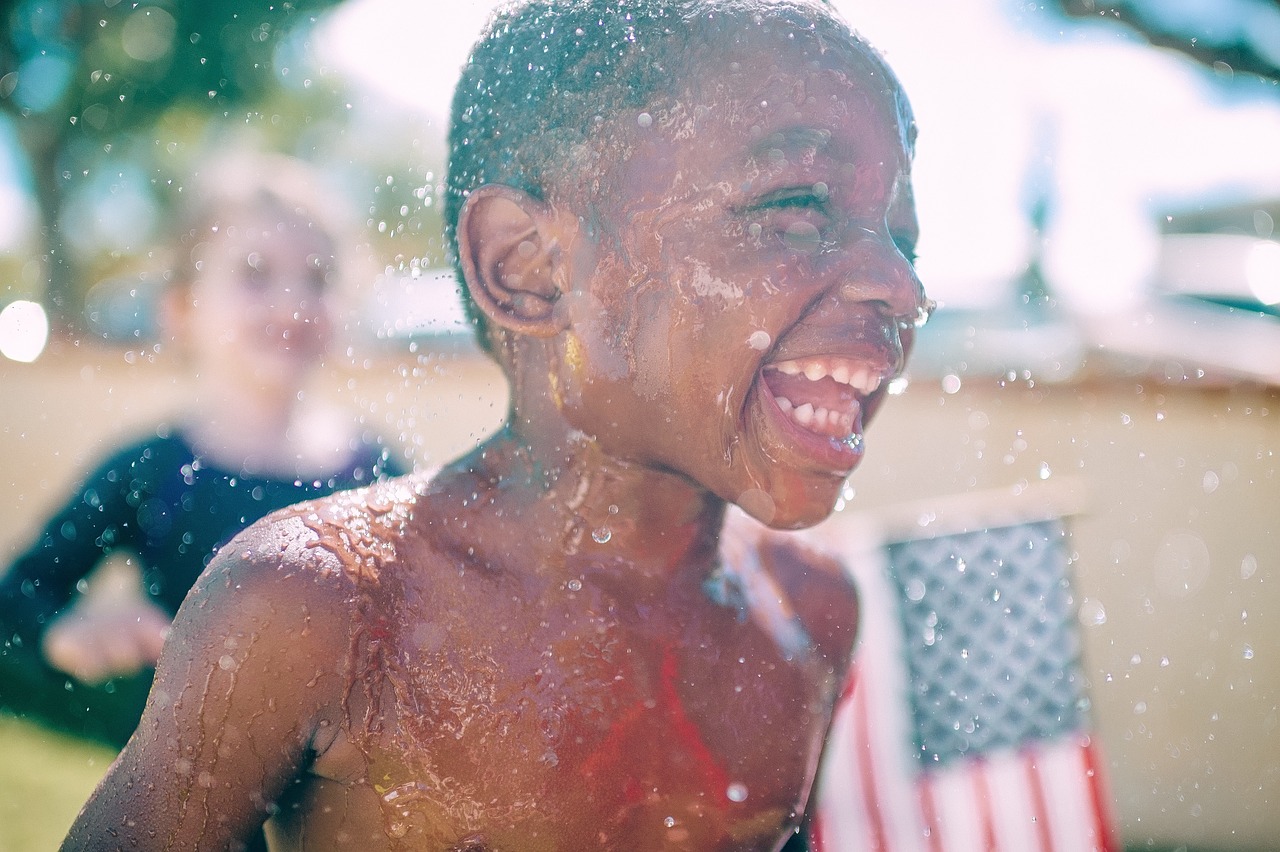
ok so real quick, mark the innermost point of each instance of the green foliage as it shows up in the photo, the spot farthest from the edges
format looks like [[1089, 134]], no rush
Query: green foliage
[[109, 66], [86, 82]]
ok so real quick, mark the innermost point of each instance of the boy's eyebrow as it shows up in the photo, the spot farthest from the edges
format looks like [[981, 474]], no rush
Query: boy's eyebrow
[[793, 139]]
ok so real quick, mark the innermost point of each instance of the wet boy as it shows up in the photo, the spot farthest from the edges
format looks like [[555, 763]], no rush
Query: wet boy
[[686, 231]]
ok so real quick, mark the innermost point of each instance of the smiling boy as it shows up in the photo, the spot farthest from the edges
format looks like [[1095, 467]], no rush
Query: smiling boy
[[685, 229]]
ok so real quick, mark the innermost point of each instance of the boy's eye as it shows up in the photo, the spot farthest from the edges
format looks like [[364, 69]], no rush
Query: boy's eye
[[906, 247], [797, 216], [814, 196]]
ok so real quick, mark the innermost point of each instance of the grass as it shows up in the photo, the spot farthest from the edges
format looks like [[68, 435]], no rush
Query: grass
[[45, 777]]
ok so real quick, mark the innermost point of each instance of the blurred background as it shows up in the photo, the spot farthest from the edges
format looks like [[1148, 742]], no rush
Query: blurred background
[[1098, 185]]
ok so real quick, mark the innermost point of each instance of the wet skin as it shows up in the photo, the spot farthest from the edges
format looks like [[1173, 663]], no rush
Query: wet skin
[[557, 642]]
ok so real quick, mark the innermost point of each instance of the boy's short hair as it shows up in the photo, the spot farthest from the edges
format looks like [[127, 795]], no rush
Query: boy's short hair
[[537, 99]]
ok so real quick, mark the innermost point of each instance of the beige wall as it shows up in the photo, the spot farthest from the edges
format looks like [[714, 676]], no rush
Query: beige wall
[[1177, 539]]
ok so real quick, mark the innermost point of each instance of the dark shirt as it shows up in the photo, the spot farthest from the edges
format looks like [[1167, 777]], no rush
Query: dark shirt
[[160, 500]]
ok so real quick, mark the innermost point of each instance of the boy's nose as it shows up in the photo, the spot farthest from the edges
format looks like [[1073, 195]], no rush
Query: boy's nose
[[876, 271]]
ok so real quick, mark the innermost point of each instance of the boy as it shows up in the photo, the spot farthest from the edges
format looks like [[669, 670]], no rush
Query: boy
[[685, 228]]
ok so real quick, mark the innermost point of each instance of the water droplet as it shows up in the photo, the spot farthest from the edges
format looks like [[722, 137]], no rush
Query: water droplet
[[802, 237], [1092, 613], [951, 383], [759, 340], [601, 535], [226, 662], [575, 585], [1140, 708], [644, 119], [1248, 652], [737, 792], [915, 589], [669, 822], [1248, 566], [1045, 470]]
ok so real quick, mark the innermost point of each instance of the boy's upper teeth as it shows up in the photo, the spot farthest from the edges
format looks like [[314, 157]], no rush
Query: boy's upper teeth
[[856, 375]]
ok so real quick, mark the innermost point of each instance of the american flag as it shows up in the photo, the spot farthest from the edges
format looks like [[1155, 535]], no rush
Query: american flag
[[965, 726]]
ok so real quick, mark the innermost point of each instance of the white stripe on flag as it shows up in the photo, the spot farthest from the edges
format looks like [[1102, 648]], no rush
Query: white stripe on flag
[[957, 808], [1016, 805], [1074, 821]]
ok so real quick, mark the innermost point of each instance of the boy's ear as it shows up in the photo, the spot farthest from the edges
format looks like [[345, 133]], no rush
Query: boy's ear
[[509, 252]]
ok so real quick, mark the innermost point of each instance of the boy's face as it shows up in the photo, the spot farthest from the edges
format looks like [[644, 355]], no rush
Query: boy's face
[[748, 298]]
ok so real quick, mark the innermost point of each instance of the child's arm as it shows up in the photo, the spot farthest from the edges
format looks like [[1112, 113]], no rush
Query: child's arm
[[96, 519], [254, 664]]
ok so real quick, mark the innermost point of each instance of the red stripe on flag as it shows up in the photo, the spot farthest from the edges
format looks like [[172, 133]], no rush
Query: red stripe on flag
[[1041, 808], [929, 811], [867, 771], [817, 836], [982, 792], [1098, 798]]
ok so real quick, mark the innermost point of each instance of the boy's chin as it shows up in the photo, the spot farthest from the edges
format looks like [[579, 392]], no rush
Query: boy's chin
[[795, 511]]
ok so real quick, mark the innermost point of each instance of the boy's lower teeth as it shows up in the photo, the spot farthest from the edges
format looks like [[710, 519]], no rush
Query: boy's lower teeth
[[820, 421]]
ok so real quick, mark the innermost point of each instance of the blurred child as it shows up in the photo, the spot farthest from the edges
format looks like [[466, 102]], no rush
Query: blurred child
[[686, 230], [249, 307]]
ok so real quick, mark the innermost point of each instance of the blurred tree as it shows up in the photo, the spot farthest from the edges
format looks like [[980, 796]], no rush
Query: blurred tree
[[77, 76], [1239, 36]]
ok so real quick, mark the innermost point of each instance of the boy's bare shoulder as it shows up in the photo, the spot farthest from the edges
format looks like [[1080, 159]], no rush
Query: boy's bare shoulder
[[817, 585], [347, 540]]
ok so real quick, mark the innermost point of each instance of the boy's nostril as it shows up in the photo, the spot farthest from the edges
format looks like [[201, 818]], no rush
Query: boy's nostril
[[918, 317]]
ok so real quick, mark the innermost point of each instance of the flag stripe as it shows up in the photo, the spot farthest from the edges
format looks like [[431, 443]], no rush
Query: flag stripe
[[1100, 798], [1039, 808], [982, 793], [867, 774], [930, 812]]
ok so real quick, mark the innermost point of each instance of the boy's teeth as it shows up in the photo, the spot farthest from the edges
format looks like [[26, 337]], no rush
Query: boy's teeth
[[858, 376], [819, 419]]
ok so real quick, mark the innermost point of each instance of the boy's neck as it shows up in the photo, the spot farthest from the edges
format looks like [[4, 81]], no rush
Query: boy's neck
[[584, 506]]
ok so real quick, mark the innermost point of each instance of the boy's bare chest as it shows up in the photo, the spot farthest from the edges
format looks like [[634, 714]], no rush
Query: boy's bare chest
[[574, 725]]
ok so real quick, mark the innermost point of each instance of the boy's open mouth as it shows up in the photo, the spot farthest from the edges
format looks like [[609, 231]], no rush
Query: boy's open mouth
[[823, 395]]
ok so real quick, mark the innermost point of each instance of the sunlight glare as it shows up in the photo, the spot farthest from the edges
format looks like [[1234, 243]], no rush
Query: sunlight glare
[[24, 330]]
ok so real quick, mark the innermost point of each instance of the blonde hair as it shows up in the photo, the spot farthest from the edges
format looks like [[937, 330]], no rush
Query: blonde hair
[[243, 183]]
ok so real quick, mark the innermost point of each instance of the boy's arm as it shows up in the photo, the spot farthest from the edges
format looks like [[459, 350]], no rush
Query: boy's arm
[[254, 663]]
